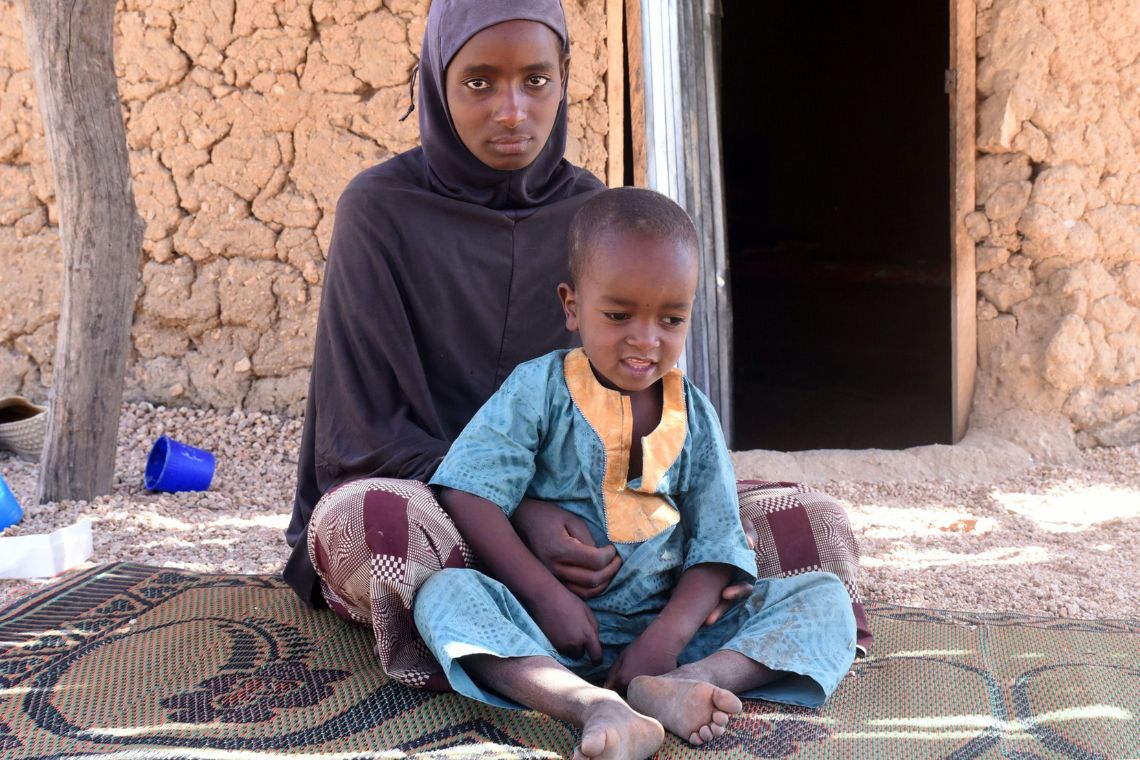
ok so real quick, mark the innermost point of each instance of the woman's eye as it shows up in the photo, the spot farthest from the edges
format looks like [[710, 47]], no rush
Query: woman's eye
[[538, 80], [477, 84]]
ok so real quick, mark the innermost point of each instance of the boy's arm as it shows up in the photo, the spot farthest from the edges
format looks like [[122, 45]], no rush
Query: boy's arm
[[656, 650], [562, 616]]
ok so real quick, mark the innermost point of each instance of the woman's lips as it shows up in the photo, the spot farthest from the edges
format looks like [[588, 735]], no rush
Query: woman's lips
[[510, 146]]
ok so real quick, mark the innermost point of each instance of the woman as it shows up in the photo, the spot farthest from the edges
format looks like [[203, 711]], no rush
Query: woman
[[441, 278]]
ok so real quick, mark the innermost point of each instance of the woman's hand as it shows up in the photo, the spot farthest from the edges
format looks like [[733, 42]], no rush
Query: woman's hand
[[562, 542], [569, 624], [737, 591], [643, 657]]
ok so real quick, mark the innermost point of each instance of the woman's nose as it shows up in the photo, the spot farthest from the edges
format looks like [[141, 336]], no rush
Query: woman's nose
[[510, 111]]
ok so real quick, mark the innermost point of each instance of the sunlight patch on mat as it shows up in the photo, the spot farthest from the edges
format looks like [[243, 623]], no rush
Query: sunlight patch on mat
[[947, 721], [120, 731], [196, 753], [1088, 712], [922, 735]]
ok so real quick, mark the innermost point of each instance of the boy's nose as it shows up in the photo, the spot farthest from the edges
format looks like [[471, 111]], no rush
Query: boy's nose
[[643, 337]]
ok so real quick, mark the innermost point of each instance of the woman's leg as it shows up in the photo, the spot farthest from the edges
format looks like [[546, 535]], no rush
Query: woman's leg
[[799, 531], [373, 543]]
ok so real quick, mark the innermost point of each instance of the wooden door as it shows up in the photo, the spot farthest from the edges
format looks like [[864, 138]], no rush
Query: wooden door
[[672, 59], [962, 90]]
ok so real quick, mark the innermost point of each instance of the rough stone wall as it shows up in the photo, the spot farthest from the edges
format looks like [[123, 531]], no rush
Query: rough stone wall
[[1058, 225], [245, 119]]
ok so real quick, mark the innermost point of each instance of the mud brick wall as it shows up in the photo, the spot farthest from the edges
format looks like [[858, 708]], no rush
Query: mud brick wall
[[245, 119], [1058, 224]]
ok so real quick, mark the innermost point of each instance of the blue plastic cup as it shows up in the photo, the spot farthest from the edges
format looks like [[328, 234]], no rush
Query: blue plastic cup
[[10, 511], [173, 466]]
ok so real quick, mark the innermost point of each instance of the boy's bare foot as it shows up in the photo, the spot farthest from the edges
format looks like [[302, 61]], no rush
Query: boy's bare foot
[[693, 710], [614, 731]]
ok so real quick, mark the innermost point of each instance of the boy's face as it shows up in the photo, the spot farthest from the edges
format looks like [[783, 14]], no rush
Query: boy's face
[[632, 307]]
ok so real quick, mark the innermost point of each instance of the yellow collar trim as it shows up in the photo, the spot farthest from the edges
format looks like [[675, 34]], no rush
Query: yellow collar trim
[[632, 514]]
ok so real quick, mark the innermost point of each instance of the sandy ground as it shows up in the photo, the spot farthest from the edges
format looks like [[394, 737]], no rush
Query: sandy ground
[[1050, 540]]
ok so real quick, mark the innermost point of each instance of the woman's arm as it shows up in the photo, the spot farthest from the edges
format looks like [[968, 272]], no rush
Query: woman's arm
[[562, 616], [563, 544]]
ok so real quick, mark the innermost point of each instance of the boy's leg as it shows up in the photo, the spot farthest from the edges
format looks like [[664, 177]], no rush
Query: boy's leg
[[492, 650], [610, 727], [799, 530], [792, 641]]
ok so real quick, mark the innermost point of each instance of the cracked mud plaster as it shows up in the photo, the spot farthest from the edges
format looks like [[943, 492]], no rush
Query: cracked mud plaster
[[1058, 217], [245, 119]]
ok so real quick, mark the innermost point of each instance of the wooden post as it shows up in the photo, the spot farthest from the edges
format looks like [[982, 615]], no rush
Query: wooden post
[[615, 92], [71, 48], [962, 88], [635, 51]]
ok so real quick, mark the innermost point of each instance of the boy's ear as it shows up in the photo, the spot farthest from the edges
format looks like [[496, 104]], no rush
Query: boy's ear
[[569, 305]]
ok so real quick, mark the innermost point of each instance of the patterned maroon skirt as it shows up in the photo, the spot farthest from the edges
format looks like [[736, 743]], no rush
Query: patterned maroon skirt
[[373, 542]]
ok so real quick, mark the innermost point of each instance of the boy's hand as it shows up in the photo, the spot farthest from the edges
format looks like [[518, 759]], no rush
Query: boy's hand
[[643, 657], [562, 542], [734, 593], [569, 624]]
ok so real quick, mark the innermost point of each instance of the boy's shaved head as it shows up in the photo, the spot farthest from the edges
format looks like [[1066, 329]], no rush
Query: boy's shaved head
[[624, 211]]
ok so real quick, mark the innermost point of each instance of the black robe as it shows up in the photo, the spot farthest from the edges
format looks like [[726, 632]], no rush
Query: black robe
[[441, 278]]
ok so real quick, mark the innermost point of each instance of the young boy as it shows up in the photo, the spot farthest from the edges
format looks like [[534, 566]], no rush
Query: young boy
[[615, 434]]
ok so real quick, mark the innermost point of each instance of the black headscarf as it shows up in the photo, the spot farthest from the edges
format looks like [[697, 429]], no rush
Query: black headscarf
[[453, 169], [441, 278]]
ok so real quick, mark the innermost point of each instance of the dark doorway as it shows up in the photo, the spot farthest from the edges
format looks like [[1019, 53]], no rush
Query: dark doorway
[[837, 180]]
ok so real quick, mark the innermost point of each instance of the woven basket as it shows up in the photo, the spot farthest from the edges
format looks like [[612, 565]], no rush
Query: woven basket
[[22, 426]]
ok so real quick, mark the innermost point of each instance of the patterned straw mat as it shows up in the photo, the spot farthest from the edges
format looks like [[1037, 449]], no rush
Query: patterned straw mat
[[129, 661]]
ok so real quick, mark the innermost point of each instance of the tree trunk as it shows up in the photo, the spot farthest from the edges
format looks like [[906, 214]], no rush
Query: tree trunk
[[70, 45]]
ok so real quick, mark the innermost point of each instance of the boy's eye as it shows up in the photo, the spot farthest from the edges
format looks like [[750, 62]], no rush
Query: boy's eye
[[674, 321], [615, 316]]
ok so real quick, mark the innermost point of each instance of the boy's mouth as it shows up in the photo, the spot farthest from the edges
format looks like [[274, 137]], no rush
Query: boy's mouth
[[637, 364]]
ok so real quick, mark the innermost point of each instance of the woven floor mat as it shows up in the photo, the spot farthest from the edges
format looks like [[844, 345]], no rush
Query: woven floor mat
[[129, 661]]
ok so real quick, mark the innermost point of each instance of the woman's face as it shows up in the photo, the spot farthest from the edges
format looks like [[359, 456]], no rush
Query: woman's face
[[503, 91]]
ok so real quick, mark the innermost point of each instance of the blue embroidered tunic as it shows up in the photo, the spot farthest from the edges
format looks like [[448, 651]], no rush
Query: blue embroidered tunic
[[553, 432]]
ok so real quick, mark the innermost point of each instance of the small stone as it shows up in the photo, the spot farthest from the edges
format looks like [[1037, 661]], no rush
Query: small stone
[[990, 258], [1008, 200], [977, 225]]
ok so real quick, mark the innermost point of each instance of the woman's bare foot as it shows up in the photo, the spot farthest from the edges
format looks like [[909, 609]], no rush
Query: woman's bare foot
[[693, 710], [615, 731]]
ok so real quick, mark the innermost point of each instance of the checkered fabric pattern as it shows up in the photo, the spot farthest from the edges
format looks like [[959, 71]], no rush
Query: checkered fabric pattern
[[375, 541], [800, 531]]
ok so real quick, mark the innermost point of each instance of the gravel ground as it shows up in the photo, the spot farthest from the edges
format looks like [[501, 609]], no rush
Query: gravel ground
[[1059, 541]]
